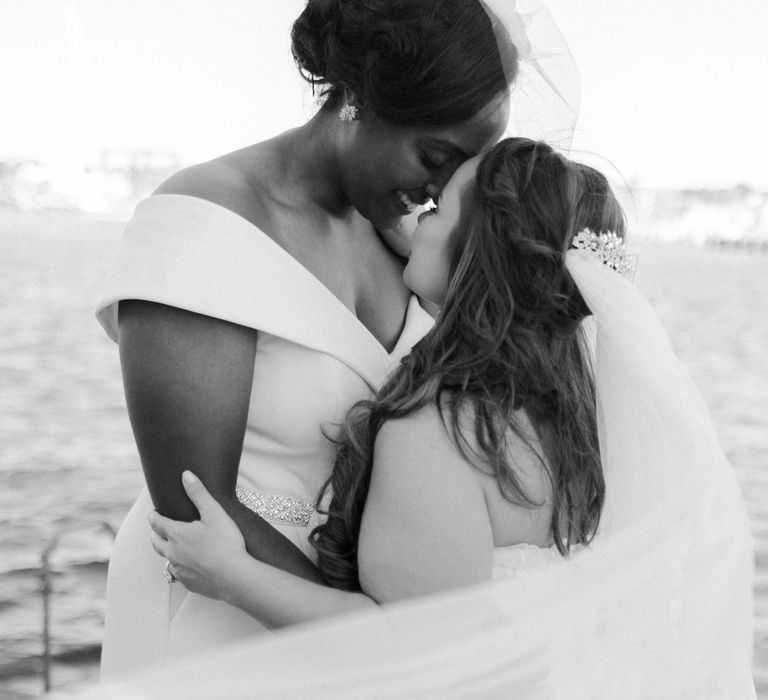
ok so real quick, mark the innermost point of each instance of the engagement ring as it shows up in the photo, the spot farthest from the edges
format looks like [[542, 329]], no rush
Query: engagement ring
[[167, 573]]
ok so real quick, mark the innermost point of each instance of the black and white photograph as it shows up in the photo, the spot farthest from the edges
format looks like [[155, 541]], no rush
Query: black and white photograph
[[383, 349]]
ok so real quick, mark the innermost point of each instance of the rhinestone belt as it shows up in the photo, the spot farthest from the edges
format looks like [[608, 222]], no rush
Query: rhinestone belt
[[292, 511]]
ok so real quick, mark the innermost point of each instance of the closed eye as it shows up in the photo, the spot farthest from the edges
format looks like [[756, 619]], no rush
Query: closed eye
[[431, 163]]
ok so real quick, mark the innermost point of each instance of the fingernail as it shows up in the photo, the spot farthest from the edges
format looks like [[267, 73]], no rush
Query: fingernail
[[189, 477]]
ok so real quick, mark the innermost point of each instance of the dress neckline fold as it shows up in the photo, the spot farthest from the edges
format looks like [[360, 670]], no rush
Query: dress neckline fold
[[199, 256], [397, 351]]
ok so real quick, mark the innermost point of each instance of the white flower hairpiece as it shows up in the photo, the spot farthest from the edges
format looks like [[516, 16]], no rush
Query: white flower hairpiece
[[610, 250]]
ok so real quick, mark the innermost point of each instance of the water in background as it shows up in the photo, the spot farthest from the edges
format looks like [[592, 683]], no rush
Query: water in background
[[67, 455]]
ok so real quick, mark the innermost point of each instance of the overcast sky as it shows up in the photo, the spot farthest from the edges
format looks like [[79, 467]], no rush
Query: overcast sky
[[673, 92]]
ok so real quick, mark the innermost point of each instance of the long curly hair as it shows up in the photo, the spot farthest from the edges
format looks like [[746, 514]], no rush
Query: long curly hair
[[508, 343]]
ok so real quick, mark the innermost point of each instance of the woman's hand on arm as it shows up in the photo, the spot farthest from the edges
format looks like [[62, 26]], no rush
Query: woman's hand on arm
[[200, 551], [187, 381], [208, 556]]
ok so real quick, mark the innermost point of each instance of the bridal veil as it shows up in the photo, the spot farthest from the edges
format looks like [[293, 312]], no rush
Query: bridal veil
[[659, 606]]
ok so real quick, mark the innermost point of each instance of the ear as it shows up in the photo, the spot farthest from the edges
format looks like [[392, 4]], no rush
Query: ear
[[351, 106], [350, 110], [351, 97]]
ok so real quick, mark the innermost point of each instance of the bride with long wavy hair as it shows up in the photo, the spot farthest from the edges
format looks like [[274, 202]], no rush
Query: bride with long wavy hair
[[501, 389], [584, 475], [507, 354]]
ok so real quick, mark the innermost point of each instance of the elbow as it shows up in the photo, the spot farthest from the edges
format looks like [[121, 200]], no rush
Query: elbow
[[172, 503]]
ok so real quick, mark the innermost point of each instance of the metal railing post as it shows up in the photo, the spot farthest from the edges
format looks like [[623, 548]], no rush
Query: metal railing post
[[46, 589]]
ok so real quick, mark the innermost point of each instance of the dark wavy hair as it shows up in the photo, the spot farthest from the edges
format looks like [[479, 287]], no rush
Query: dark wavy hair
[[508, 344], [412, 62]]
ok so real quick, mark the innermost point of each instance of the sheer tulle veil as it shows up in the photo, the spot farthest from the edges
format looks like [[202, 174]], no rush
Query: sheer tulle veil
[[546, 86], [659, 606]]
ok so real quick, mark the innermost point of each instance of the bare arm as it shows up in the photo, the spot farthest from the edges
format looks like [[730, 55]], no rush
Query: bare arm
[[208, 556], [425, 529], [277, 598], [187, 383], [425, 526]]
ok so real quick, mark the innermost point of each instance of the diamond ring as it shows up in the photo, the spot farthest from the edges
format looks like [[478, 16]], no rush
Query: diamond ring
[[167, 573]]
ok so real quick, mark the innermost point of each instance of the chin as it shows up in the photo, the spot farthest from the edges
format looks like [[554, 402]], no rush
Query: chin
[[410, 282], [407, 281], [383, 215], [384, 222], [397, 240]]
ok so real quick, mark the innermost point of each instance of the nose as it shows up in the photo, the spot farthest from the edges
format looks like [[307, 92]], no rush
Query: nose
[[435, 187]]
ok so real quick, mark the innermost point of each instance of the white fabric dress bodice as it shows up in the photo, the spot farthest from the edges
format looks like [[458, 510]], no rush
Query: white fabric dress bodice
[[659, 606], [314, 360]]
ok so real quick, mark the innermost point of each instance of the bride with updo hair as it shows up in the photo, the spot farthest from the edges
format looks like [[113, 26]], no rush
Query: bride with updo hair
[[259, 295], [517, 508], [411, 63]]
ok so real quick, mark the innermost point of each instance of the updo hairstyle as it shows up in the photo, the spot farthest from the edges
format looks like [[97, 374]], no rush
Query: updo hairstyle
[[411, 62]]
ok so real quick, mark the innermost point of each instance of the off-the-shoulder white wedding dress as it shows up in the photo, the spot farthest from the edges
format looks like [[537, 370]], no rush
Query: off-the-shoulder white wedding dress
[[314, 359], [659, 605]]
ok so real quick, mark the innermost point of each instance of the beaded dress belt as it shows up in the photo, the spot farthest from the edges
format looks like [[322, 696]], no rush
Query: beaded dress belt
[[284, 509]]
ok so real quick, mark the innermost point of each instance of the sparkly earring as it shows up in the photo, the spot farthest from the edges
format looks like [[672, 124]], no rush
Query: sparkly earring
[[348, 113]]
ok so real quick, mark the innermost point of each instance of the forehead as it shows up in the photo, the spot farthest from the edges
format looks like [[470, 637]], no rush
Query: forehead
[[463, 175], [476, 134]]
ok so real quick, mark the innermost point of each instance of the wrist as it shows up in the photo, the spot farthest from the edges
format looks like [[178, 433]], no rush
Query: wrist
[[229, 590]]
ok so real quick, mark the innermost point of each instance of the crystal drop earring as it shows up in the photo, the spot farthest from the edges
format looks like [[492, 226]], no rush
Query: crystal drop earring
[[348, 113]]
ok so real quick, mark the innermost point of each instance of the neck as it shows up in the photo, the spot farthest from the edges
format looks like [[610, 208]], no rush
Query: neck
[[313, 160]]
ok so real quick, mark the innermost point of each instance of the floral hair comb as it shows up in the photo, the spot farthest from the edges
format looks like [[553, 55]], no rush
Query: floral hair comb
[[610, 250]]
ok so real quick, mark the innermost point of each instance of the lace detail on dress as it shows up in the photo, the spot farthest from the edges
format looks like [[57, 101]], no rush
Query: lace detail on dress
[[511, 561]]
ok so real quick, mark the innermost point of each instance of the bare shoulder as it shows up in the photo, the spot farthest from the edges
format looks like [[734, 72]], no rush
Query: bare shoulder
[[419, 453], [223, 181], [424, 437], [425, 525], [420, 437], [512, 520]]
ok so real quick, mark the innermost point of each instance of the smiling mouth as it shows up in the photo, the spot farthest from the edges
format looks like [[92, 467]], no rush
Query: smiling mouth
[[410, 205], [407, 203]]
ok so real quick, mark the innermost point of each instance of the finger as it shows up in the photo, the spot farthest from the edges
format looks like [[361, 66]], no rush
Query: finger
[[165, 527], [206, 504], [159, 544]]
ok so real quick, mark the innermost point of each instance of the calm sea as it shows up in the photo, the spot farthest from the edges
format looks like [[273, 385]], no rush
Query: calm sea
[[67, 456]]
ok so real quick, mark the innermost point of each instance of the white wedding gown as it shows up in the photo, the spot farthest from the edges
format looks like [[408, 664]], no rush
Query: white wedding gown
[[659, 606], [314, 359]]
